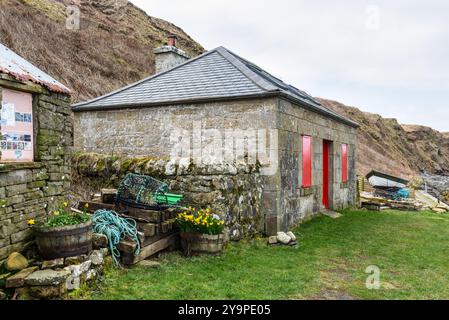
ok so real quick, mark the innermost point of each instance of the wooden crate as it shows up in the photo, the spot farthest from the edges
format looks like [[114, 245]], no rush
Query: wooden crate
[[151, 249]]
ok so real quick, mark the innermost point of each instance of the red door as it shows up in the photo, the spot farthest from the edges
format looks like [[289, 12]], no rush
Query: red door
[[326, 147]]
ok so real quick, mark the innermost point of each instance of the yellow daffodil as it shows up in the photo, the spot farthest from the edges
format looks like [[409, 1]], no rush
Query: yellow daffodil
[[31, 222]]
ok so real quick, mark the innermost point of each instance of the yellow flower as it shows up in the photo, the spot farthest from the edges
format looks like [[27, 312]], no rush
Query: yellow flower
[[31, 222], [86, 205], [56, 213], [65, 203]]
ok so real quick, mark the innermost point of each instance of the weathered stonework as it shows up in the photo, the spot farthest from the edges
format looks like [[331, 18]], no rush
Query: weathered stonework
[[144, 132], [30, 190], [293, 203], [167, 57], [56, 279], [234, 192]]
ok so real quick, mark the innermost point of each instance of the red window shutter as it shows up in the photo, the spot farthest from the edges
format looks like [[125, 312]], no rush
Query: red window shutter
[[344, 162], [306, 161]]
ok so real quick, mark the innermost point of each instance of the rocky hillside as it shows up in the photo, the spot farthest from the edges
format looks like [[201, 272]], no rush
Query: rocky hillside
[[404, 150], [112, 47]]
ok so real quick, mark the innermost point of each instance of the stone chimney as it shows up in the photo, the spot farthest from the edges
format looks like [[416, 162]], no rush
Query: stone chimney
[[169, 56]]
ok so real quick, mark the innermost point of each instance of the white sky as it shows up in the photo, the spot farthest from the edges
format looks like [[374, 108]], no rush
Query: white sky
[[387, 57]]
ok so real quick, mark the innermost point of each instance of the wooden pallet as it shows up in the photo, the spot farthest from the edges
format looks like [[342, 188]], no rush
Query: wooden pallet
[[156, 229], [151, 249]]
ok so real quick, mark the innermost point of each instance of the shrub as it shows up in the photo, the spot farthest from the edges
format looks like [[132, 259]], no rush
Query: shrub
[[63, 216]]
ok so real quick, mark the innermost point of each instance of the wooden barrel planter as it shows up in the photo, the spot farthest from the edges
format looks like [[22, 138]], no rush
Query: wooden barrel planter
[[63, 242], [195, 243]]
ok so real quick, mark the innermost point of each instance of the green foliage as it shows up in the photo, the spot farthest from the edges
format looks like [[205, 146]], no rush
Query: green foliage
[[63, 216], [409, 248], [200, 221]]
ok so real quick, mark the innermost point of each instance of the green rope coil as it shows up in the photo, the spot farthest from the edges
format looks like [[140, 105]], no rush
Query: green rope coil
[[115, 228]]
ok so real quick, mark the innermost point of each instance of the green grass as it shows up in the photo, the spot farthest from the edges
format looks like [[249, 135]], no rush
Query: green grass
[[411, 250]]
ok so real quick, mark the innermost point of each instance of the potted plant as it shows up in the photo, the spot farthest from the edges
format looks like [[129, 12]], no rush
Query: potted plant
[[63, 233], [201, 231]]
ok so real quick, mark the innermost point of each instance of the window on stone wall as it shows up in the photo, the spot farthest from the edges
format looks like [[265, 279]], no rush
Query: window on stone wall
[[306, 161], [344, 162], [16, 123]]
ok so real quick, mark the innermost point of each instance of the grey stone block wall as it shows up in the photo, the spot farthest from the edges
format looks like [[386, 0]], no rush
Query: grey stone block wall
[[146, 132], [296, 203], [233, 192], [30, 190]]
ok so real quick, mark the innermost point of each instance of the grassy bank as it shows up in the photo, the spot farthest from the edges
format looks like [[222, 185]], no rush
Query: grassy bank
[[410, 249]]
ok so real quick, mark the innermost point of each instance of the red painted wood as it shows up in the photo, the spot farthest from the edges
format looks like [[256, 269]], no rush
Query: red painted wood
[[326, 146], [344, 162], [306, 161]]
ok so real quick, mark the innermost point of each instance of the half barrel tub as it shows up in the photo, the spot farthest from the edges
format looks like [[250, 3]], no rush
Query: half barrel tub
[[63, 242]]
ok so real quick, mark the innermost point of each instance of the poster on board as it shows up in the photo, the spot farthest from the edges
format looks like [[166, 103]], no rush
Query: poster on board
[[16, 119], [8, 115]]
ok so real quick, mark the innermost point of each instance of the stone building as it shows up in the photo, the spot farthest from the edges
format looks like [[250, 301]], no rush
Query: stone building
[[208, 109], [36, 132]]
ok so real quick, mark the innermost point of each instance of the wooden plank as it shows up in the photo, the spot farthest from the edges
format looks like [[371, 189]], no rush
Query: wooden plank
[[148, 229], [168, 225], [141, 236], [127, 246], [108, 195], [138, 220], [153, 239], [145, 215], [152, 249], [94, 206]]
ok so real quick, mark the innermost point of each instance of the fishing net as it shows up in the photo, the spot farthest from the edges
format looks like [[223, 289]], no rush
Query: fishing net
[[145, 192], [140, 191]]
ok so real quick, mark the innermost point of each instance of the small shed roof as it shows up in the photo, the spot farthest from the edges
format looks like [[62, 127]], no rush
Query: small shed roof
[[380, 179], [216, 75], [19, 68]]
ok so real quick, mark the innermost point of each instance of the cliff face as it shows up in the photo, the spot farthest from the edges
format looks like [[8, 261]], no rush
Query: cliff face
[[112, 47], [401, 150]]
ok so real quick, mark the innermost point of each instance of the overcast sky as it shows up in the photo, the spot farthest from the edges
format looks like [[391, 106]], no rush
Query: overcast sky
[[387, 57]]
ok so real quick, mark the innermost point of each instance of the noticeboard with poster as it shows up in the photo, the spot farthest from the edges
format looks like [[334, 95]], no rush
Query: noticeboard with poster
[[16, 123]]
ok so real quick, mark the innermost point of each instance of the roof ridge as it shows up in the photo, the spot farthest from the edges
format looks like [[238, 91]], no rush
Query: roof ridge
[[235, 60], [154, 76]]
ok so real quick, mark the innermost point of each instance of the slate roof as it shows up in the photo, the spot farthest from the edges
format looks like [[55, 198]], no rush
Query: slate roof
[[216, 75], [19, 68]]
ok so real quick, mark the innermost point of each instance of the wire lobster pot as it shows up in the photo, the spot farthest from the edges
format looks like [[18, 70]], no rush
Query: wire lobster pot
[[145, 192]]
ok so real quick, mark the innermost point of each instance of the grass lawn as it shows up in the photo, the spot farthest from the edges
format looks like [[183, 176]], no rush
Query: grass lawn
[[411, 250]]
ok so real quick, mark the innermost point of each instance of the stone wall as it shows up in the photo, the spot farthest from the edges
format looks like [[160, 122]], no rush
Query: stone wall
[[234, 192], [31, 190], [286, 201], [147, 132]]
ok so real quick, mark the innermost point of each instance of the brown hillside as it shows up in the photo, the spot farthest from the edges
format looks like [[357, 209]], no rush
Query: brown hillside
[[387, 146], [113, 47]]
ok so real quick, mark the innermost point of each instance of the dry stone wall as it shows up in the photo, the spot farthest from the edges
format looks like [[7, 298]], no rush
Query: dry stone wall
[[30, 190], [233, 191]]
